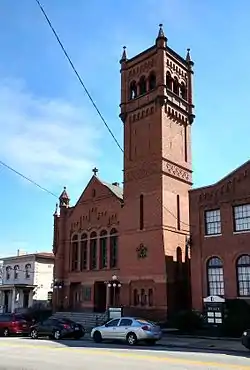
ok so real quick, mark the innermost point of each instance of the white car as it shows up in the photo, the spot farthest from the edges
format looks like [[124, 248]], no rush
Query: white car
[[129, 329]]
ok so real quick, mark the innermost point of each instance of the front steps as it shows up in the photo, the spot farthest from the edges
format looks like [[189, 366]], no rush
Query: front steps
[[88, 319]]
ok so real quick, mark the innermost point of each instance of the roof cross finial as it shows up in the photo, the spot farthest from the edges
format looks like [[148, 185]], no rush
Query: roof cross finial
[[95, 171]]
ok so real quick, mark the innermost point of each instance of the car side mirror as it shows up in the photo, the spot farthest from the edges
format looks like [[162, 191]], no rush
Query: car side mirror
[[106, 325]]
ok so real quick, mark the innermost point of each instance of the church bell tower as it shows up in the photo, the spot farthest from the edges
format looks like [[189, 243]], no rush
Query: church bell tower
[[157, 114]]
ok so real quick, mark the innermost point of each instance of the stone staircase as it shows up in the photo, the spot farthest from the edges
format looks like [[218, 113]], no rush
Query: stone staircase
[[88, 319]]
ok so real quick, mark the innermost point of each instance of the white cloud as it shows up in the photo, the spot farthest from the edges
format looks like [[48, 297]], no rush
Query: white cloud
[[50, 140]]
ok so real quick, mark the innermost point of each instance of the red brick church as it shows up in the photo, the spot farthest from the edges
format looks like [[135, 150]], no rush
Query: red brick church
[[128, 245]]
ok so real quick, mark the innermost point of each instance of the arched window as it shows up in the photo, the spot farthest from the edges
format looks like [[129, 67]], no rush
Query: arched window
[[150, 297], [243, 275], [215, 276], [8, 269], [143, 297], [103, 249], [135, 297], [16, 269], [142, 85], [74, 253], [84, 252], [93, 251], [179, 255], [133, 90], [183, 91], [152, 81], [176, 86], [169, 81], [27, 270], [113, 248]]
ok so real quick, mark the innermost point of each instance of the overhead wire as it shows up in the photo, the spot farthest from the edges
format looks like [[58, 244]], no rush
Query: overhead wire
[[93, 103], [27, 178], [77, 74], [84, 86]]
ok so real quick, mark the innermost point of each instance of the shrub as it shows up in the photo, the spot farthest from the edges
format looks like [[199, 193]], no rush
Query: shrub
[[236, 317], [188, 321]]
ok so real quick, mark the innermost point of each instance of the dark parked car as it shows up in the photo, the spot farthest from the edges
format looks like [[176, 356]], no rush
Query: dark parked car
[[14, 324], [245, 339], [57, 329]]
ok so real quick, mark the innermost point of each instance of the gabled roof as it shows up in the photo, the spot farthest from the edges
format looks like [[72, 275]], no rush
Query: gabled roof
[[116, 189], [230, 175]]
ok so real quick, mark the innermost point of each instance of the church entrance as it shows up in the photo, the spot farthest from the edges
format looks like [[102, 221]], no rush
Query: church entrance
[[100, 291]]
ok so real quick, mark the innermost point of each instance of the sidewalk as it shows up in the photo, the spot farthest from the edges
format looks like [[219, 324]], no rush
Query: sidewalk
[[203, 343]]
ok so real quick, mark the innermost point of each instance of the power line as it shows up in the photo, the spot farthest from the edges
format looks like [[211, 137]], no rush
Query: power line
[[27, 178], [84, 87], [77, 74]]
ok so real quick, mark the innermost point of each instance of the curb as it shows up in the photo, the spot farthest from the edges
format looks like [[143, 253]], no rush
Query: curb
[[229, 339], [193, 347]]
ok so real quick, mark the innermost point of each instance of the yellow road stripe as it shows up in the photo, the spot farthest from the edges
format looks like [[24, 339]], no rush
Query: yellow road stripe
[[132, 354]]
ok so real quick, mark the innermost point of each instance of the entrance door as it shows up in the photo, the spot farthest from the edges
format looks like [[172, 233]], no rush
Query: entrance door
[[6, 300], [99, 296], [26, 294]]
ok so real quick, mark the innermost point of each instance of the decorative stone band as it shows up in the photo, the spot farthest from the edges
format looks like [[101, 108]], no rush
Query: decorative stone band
[[177, 171], [168, 167]]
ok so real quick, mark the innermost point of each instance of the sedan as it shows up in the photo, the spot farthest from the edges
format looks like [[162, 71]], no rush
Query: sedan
[[57, 329], [129, 329]]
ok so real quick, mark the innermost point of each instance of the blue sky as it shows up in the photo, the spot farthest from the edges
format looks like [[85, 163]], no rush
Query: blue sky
[[50, 131]]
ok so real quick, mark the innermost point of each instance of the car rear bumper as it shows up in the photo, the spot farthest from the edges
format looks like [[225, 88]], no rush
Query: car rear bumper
[[150, 336]]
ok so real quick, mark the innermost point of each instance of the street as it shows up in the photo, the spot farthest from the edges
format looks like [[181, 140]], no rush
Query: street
[[20, 353]]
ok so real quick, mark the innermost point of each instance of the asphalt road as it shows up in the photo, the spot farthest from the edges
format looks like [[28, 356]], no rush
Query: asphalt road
[[26, 354]]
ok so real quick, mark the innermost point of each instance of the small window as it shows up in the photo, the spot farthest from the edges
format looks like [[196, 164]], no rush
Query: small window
[[86, 293], [133, 90], [169, 81], [27, 270], [142, 85], [183, 91], [150, 297], [135, 297], [212, 222], [176, 86], [112, 323], [143, 297], [152, 81], [8, 269], [126, 322], [242, 217]]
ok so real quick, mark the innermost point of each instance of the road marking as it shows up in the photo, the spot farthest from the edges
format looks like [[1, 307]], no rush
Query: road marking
[[124, 353]]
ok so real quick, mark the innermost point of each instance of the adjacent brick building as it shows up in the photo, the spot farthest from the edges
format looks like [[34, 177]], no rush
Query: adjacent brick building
[[136, 234], [220, 238]]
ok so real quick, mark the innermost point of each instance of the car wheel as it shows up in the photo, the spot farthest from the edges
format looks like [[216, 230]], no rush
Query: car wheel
[[6, 332], [131, 339], [97, 337], [34, 334], [57, 334]]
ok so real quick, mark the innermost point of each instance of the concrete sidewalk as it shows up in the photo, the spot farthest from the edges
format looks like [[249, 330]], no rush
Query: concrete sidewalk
[[203, 343]]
